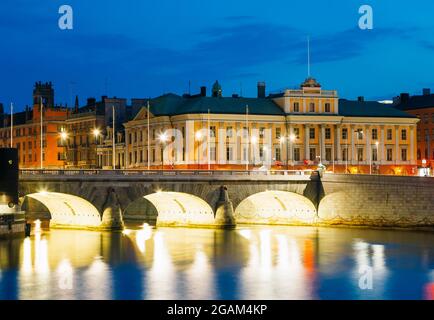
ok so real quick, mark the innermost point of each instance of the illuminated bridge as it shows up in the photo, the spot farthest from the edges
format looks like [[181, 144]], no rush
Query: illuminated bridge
[[105, 198]]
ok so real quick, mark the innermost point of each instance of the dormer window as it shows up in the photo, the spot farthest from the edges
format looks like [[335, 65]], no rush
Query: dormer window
[[296, 107]]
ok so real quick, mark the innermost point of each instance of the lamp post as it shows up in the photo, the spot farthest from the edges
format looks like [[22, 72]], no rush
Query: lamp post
[[292, 139], [63, 138], [114, 138], [96, 132], [282, 141], [198, 137], [253, 141], [163, 139], [358, 132], [12, 125], [42, 133]]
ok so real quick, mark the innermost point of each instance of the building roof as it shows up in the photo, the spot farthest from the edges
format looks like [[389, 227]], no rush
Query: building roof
[[416, 102], [172, 104], [355, 108]]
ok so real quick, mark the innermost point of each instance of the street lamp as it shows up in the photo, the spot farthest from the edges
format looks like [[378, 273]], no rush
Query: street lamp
[[96, 132], [198, 137], [292, 139], [253, 141], [63, 138], [163, 139]]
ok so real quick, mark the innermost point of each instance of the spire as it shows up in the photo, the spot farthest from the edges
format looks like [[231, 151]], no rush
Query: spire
[[76, 104]]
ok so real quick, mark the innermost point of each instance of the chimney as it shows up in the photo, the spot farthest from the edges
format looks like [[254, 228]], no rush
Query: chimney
[[203, 91], [404, 97], [426, 91], [361, 99], [91, 101], [261, 89]]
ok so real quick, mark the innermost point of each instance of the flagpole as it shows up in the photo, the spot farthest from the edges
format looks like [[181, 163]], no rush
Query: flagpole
[[42, 132], [208, 142], [248, 139], [12, 125], [114, 139], [149, 151]]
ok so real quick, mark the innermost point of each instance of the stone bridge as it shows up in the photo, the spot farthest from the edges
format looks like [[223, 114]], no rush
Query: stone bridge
[[103, 199]]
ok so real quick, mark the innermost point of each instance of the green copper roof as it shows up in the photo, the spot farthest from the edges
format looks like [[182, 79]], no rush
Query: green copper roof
[[172, 104], [356, 108]]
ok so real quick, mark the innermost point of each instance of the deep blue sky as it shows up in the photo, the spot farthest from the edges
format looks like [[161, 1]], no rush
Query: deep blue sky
[[142, 48]]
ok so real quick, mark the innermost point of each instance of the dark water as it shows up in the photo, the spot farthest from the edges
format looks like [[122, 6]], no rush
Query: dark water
[[247, 263]]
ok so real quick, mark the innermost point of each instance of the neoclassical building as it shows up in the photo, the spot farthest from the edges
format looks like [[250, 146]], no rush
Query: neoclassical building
[[296, 129]]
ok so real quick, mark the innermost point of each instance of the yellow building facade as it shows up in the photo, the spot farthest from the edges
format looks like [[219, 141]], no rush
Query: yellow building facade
[[294, 130]]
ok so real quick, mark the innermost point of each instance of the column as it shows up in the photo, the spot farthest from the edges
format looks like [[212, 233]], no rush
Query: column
[[189, 142], [397, 157], [304, 106], [221, 144], [381, 147], [289, 150], [306, 141], [412, 151], [127, 146], [352, 135], [338, 143], [322, 142], [368, 146]]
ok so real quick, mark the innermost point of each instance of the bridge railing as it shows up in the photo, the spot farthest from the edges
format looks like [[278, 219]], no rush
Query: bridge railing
[[135, 172]]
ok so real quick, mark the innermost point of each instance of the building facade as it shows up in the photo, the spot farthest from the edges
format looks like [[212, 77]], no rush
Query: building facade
[[422, 107], [26, 131], [296, 129]]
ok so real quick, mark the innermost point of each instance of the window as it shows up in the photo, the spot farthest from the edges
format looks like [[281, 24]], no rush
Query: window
[[327, 107], [296, 107], [212, 131], [374, 134], [389, 134], [277, 153], [228, 153], [389, 155], [296, 154], [312, 133], [328, 154], [245, 153], [360, 154], [403, 134], [311, 107], [344, 154], [312, 154], [426, 117], [375, 154], [278, 133], [261, 152], [296, 133], [229, 132], [432, 117], [261, 132], [153, 134], [131, 157], [153, 155], [344, 134], [404, 154], [328, 133], [359, 134]]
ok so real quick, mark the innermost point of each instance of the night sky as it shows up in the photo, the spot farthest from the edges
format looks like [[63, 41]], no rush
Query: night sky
[[142, 48]]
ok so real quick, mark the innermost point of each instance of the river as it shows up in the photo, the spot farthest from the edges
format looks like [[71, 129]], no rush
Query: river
[[251, 262]]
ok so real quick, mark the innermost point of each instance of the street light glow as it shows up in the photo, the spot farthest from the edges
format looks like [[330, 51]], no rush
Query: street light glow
[[63, 135], [292, 137], [96, 132], [254, 139], [282, 139], [163, 137], [198, 135]]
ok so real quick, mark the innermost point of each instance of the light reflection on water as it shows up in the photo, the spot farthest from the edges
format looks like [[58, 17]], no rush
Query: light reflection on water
[[246, 263]]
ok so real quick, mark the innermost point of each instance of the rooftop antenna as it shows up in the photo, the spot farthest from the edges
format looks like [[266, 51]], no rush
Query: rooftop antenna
[[308, 56]]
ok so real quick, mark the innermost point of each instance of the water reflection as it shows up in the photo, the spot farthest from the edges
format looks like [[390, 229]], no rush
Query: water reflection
[[247, 263]]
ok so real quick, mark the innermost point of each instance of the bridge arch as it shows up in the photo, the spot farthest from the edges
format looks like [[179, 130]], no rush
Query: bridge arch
[[67, 210], [276, 207], [176, 209]]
